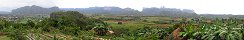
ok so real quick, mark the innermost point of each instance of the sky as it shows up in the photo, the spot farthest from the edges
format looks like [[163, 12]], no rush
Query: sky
[[200, 6]]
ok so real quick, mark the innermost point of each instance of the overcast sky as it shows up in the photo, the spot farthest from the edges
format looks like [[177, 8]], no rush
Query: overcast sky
[[200, 6]]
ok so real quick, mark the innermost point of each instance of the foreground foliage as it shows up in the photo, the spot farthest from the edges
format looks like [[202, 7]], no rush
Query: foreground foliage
[[226, 29]]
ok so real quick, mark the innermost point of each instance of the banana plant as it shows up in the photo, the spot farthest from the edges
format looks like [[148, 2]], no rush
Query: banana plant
[[224, 31], [187, 32]]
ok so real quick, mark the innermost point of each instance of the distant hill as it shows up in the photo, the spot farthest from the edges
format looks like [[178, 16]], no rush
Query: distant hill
[[4, 12], [173, 12], [104, 10], [130, 12], [34, 10], [113, 11]]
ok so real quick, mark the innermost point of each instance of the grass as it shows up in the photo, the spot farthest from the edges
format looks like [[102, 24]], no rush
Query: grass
[[136, 24], [4, 38], [156, 18], [131, 25]]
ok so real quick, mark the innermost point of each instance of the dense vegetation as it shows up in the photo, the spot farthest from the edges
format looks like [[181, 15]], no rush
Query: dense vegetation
[[75, 25], [225, 29], [69, 23], [72, 25]]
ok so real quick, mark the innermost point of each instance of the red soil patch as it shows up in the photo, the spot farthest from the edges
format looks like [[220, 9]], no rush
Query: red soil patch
[[175, 34], [1, 33]]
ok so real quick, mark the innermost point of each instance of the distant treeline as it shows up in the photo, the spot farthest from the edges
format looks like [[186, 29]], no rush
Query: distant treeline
[[4, 12], [214, 16]]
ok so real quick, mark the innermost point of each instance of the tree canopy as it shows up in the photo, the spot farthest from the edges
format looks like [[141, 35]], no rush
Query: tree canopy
[[72, 18]]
